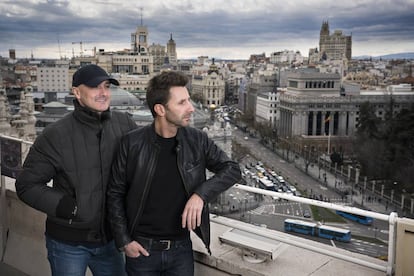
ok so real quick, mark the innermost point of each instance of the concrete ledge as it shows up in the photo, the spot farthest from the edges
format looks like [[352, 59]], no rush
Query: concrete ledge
[[25, 244], [26, 251], [27, 254], [292, 260], [7, 270]]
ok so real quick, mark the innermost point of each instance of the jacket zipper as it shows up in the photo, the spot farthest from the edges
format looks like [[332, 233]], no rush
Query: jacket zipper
[[100, 135]]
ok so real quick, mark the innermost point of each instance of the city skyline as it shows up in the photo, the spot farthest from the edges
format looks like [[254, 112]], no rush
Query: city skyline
[[229, 29]]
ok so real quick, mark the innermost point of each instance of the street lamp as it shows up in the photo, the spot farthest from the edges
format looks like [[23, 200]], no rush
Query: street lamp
[[392, 191], [287, 148], [319, 167], [306, 158]]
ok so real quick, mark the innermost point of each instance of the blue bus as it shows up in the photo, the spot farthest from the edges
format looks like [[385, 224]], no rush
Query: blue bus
[[334, 233], [302, 227], [357, 218], [313, 229]]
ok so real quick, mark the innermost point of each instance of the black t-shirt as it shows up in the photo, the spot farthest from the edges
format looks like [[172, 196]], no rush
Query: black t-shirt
[[161, 217]]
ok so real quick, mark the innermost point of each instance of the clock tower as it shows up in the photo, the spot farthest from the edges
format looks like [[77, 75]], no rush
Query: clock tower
[[139, 39]]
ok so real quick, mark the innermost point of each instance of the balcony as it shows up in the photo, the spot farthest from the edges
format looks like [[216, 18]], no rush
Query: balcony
[[238, 248]]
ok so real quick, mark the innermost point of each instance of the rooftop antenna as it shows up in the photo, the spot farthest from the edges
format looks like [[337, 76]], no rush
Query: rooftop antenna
[[60, 52], [141, 8]]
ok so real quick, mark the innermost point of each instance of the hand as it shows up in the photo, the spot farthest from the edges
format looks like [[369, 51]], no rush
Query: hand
[[134, 250], [191, 217]]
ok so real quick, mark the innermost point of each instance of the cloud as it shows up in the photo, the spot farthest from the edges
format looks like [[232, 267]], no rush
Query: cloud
[[227, 29]]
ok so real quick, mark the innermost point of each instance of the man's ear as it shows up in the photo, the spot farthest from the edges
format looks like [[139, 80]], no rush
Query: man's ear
[[159, 109], [76, 92]]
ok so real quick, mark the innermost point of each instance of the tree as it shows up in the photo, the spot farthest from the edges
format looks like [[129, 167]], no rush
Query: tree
[[385, 148], [400, 133], [336, 158]]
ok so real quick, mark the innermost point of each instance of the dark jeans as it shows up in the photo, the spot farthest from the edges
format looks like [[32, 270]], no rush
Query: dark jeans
[[177, 261], [73, 260]]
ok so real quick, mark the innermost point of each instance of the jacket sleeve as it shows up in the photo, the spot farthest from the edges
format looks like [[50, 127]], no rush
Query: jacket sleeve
[[38, 170], [116, 196], [226, 171]]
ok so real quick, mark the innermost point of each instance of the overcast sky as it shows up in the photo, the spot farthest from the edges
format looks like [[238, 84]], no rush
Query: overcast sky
[[214, 28]]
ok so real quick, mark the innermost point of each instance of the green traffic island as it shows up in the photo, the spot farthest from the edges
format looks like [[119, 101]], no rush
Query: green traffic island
[[326, 215]]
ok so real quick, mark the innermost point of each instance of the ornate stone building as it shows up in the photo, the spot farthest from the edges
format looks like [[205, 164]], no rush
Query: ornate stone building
[[22, 124], [209, 88], [157, 51], [139, 39], [321, 113], [334, 46], [171, 51]]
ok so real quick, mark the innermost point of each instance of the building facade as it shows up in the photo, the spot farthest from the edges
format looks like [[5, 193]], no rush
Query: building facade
[[286, 56], [139, 39], [262, 81], [266, 108], [334, 46], [53, 79], [318, 111], [171, 51], [158, 54], [209, 88], [132, 63]]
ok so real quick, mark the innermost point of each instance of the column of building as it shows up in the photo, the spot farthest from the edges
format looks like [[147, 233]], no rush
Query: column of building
[[351, 122], [342, 123], [305, 122], [315, 117]]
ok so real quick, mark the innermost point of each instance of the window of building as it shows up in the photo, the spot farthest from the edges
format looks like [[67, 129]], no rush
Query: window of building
[[293, 84]]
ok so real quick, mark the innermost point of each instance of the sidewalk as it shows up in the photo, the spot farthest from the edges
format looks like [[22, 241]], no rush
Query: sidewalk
[[355, 198]]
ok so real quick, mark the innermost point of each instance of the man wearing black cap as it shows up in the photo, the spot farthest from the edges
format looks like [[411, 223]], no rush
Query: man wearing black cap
[[76, 153]]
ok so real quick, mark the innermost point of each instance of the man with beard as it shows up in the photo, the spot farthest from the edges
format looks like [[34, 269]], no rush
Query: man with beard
[[158, 192]]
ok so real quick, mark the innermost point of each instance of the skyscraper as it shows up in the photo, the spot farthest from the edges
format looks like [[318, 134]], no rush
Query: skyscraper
[[171, 51]]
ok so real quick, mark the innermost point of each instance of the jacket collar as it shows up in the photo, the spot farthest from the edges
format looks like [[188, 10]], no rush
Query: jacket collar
[[178, 137], [89, 116]]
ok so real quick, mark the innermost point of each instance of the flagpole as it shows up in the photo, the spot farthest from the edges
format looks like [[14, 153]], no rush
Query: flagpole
[[329, 133], [329, 141]]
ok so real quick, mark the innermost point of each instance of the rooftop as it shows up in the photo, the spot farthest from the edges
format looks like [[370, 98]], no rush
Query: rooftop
[[237, 248]]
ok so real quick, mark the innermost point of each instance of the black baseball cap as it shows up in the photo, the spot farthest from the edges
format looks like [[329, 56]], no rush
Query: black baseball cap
[[91, 75]]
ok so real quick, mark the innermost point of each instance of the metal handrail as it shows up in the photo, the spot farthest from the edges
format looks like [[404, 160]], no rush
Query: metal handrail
[[391, 219]]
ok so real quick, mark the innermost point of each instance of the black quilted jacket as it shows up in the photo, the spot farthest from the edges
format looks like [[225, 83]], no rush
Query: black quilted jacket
[[76, 153]]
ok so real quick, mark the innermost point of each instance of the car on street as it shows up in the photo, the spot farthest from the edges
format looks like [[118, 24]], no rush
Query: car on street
[[306, 213]]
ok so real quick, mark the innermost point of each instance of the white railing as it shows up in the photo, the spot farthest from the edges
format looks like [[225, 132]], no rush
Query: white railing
[[388, 266]]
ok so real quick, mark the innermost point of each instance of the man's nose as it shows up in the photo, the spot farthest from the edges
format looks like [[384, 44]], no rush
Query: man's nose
[[103, 89], [191, 107]]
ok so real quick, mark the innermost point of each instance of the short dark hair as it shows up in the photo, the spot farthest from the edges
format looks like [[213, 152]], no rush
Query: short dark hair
[[158, 90]]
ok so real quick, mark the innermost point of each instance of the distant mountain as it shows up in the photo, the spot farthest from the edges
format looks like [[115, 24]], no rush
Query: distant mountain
[[409, 55]]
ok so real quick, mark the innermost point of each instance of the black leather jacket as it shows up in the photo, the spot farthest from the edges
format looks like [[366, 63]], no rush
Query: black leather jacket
[[134, 167]]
